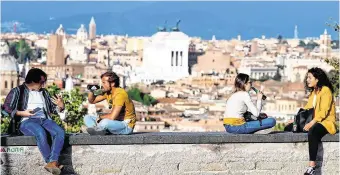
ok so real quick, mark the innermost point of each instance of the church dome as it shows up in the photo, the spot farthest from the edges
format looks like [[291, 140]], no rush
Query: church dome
[[4, 48], [82, 33], [8, 63]]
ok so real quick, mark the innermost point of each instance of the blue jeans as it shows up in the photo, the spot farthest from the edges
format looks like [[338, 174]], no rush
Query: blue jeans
[[113, 126], [251, 127], [36, 127]]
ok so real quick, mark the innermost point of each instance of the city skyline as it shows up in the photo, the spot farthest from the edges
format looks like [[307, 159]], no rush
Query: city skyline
[[131, 18]]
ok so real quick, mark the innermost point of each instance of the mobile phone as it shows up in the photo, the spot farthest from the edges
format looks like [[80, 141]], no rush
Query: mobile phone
[[36, 110]]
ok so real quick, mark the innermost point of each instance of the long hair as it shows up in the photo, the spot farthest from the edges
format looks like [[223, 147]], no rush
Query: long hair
[[240, 81], [322, 78]]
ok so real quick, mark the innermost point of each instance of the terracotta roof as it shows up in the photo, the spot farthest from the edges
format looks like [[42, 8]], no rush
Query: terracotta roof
[[167, 100]]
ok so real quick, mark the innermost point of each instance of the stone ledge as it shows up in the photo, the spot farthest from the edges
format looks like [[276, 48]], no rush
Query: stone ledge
[[171, 138]]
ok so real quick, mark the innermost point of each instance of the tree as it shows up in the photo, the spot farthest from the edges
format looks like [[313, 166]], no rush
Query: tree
[[302, 43], [279, 38], [277, 76], [137, 95], [311, 45], [21, 50], [73, 105], [334, 74]]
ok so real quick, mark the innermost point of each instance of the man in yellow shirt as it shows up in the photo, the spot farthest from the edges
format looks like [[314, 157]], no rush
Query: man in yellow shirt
[[121, 119]]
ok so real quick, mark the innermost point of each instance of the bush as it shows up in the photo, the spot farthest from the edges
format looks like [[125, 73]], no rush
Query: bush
[[73, 105]]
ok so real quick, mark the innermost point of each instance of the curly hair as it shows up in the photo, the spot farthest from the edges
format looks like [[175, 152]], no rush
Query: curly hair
[[322, 78]]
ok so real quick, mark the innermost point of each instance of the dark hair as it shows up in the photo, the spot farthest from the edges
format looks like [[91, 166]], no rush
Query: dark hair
[[34, 75], [240, 81], [113, 78], [322, 77]]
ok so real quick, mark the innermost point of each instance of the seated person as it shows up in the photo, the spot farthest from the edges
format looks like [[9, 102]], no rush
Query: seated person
[[238, 104], [22, 100], [121, 119]]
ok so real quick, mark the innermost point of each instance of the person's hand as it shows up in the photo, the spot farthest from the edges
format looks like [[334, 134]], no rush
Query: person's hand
[[309, 125], [260, 93], [57, 100], [27, 113], [98, 119]]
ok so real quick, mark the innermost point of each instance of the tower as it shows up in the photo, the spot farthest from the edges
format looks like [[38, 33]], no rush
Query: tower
[[55, 51], [92, 28], [296, 32], [325, 44]]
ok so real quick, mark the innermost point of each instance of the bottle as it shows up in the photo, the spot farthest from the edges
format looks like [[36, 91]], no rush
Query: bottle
[[294, 126], [95, 89], [257, 91]]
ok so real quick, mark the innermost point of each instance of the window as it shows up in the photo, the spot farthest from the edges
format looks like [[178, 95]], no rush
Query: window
[[12, 84], [176, 58], [172, 58], [5, 84]]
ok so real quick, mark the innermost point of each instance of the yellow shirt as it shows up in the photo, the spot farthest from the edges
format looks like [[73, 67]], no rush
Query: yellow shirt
[[324, 108], [119, 97]]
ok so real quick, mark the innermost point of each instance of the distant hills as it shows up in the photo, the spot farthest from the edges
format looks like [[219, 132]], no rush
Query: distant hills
[[225, 20]]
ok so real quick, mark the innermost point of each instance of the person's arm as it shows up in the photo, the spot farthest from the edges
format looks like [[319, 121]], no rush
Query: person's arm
[[95, 99], [309, 102], [255, 110], [10, 105], [326, 99], [118, 104]]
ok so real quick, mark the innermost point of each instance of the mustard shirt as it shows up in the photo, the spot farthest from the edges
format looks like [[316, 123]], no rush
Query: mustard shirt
[[324, 108], [119, 97]]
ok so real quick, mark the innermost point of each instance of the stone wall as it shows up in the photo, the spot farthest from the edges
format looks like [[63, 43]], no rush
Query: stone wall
[[187, 158]]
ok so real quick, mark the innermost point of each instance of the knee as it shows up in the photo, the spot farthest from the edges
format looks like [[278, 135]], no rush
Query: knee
[[60, 133], [272, 121], [41, 134], [104, 123]]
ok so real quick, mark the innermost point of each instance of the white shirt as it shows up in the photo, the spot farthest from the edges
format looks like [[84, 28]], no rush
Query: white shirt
[[36, 99], [239, 103]]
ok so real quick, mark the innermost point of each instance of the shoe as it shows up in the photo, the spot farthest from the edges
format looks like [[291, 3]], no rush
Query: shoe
[[95, 131], [310, 171], [83, 129], [52, 168]]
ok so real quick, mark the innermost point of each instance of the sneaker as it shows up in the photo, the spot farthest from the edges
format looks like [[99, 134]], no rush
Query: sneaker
[[83, 129], [310, 171], [95, 131]]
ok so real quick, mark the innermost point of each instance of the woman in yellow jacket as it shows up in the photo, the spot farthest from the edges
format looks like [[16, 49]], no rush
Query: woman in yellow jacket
[[321, 98]]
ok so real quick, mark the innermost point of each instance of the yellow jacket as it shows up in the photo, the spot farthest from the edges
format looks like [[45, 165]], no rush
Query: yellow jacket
[[324, 108]]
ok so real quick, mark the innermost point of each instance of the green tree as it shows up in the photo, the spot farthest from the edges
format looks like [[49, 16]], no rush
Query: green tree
[[279, 38], [334, 75], [311, 45], [73, 105], [135, 94], [277, 76], [21, 50], [302, 43]]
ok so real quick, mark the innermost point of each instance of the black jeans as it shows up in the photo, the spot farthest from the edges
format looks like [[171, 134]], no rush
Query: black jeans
[[314, 137]]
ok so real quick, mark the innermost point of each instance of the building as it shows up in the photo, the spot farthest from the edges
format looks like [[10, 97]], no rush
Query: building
[[60, 30], [213, 61], [76, 50], [9, 70], [325, 45], [55, 51], [82, 33], [165, 57], [92, 28]]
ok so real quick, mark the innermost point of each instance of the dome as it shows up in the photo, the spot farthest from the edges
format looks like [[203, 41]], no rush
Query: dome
[[82, 29], [82, 33], [8, 63], [60, 30], [4, 48]]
